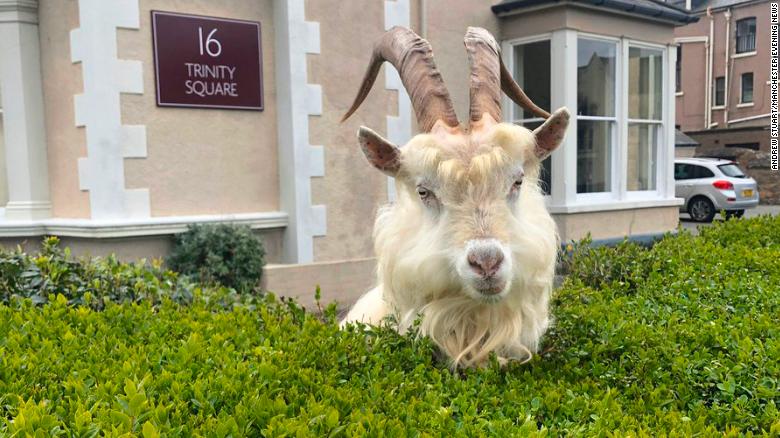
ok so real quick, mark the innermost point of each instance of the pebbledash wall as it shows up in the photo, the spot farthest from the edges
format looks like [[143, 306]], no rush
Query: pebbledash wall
[[90, 157]]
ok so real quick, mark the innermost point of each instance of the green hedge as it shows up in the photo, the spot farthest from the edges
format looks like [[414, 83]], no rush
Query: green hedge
[[95, 282], [679, 340]]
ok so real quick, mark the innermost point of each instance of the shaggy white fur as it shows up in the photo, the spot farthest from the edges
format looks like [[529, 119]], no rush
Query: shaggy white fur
[[476, 188]]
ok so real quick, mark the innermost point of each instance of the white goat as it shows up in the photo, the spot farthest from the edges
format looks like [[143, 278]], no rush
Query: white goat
[[468, 246]]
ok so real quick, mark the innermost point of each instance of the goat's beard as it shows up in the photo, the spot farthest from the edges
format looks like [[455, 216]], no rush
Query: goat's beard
[[468, 329], [423, 282]]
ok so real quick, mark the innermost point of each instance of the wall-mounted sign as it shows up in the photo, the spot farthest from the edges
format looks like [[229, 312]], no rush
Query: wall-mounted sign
[[207, 62]]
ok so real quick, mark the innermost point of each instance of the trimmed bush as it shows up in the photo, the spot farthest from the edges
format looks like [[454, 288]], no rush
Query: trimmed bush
[[90, 282], [621, 266], [226, 254], [690, 349]]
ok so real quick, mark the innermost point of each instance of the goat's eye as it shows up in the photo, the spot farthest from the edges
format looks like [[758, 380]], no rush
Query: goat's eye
[[424, 193], [515, 189]]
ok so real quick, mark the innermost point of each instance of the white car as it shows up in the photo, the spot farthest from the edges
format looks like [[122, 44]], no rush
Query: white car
[[710, 185]]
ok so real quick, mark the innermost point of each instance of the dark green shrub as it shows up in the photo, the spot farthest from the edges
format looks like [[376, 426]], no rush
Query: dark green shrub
[[621, 266], [230, 255], [691, 351]]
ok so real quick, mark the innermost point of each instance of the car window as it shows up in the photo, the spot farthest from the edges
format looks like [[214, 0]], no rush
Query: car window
[[691, 171], [701, 172], [682, 171], [731, 170]]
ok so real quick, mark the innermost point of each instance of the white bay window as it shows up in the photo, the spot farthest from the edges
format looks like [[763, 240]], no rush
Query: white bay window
[[618, 152]]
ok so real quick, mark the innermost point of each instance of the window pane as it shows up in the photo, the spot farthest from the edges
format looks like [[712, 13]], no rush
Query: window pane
[[645, 78], [746, 35], [699, 172], [747, 88], [719, 90], [682, 171], [594, 156], [595, 78], [532, 73], [642, 153], [732, 170], [545, 172]]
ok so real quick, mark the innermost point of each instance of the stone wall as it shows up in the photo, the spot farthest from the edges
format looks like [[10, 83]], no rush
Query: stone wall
[[755, 163], [757, 166]]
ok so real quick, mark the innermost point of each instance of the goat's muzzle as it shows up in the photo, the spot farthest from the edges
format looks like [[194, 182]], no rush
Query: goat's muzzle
[[486, 267], [486, 262]]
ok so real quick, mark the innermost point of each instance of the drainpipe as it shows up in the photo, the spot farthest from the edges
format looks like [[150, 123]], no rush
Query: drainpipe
[[424, 18], [707, 81], [708, 97], [727, 14]]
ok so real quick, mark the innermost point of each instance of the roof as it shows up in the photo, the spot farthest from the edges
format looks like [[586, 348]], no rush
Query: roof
[[654, 9], [680, 139]]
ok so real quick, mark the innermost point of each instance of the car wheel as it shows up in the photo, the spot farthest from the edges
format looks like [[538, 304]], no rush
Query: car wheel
[[701, 209], [735, 213]]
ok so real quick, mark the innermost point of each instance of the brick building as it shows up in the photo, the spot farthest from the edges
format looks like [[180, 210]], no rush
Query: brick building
[[722, 85]]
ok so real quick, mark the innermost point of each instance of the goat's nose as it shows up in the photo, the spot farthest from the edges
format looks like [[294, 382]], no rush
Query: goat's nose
[[486, 261]]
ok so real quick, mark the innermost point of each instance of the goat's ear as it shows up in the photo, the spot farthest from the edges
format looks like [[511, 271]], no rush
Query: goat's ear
[[382, 154], [550, 135]]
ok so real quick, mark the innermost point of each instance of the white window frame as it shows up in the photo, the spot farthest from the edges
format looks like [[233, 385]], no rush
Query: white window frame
[[661, 146], [564, 198], [613, 192]]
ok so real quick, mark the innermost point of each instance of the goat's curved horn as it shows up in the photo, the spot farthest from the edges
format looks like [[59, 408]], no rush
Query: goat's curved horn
[[485, 82], [412, 56], [489, 76]]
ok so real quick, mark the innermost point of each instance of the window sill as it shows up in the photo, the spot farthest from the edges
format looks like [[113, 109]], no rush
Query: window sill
[[745, 105], [679, 93], [744, 55], [718, 108], [134, 227], [625, 204]]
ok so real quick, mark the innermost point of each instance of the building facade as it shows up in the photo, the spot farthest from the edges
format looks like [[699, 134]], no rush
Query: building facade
[[92, 156], [722, 85]]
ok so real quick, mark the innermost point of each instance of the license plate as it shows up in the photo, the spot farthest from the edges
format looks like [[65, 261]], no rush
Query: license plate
[[747, 193]]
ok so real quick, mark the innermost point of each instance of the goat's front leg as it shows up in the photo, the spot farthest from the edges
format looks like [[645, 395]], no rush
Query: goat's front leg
[[369, 309]]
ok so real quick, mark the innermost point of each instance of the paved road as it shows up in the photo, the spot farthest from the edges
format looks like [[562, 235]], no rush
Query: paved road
[[688, 224]]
